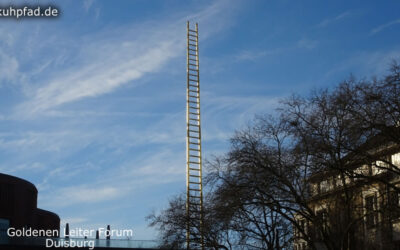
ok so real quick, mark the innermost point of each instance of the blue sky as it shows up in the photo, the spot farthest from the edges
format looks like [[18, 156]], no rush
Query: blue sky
[[92, 104]]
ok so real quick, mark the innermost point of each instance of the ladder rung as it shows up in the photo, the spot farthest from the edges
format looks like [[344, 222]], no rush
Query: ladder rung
[[192, 54], [192, 59], [192, 30], [192, 35], [194, 91], [195, 143], [194, 149], [191, 64], [192, 119], [194, 204], [194, 107], [197, 156], [194, 131], [192, 85], [192, 49], [193, 75], [193, 40], [193, 196], [195, 125], [194, 189], [194, 169], [191, 44], [193, 162], [195, 210], [194, 113], [194, 137], [193, 96], [192, 182]]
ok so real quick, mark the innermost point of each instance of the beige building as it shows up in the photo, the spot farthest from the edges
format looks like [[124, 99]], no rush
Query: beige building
[[356, 207]]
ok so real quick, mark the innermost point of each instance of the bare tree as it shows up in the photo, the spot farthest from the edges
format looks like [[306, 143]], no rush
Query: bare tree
[[266, 192]]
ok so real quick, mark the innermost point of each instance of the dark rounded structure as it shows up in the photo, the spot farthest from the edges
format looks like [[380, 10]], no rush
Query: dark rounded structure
[[18, 205]]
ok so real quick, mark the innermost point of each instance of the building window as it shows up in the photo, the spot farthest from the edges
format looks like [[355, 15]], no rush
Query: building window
[[324, 186], [303, 226], [315, 189], [370, 211], [396, 159], [321, 223], [394, 202]]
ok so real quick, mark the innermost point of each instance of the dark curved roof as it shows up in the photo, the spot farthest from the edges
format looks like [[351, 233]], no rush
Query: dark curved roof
[[46, 212], [5, 178]]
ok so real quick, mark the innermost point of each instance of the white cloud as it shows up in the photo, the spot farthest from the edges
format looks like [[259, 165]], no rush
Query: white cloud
[[329, 21], [81, 194], [384, 26], [155, 168], [99, 78], [87, 4], [110, 59], [366, 64], [252, 55], [8, 67], [307, 43]]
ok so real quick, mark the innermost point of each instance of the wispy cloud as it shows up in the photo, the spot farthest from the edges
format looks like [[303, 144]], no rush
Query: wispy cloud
[[253, 55], [307, 43], [154, 168], [384, 26], [329, 21], [9, 67], [81, 194], [123, 60], [367, 63], [87, 4], [100, 76]]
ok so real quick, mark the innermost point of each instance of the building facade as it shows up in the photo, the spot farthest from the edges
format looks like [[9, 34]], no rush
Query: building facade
[[356, 207]]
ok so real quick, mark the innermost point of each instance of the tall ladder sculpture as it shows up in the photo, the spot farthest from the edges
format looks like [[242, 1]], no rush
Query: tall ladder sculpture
[[194, 185]]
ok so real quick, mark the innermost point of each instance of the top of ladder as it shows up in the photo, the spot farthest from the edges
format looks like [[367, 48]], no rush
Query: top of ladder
[[196, 28]]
